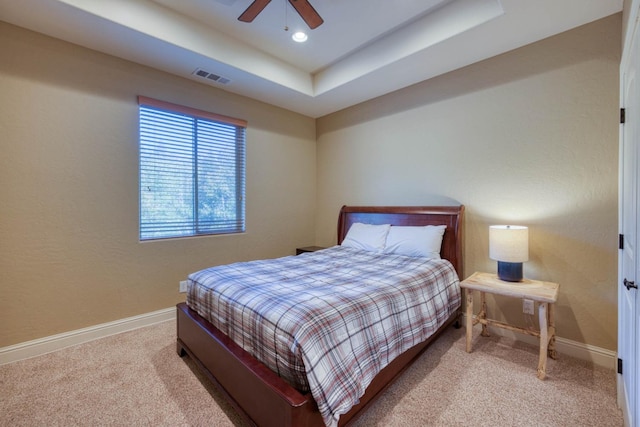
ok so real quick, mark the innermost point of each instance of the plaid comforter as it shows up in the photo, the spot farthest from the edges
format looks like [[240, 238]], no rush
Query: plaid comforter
[[328, 321]]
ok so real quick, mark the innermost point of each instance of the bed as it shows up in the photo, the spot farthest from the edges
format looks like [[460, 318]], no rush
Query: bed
[[261, 396]]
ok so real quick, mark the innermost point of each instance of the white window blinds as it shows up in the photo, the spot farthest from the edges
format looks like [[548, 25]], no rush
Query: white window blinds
[[192, 172]]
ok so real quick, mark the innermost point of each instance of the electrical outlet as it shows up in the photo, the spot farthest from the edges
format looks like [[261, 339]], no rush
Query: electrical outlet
[[527, 306], [183, 286]]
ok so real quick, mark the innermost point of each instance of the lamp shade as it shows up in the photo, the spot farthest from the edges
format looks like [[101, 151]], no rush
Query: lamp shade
[[509, 243]]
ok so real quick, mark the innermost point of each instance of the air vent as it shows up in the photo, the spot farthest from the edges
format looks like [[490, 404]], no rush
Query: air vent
[[211, 76]]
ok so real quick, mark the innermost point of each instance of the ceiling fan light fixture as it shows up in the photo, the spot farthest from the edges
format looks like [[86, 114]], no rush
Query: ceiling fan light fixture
[[299, 37]]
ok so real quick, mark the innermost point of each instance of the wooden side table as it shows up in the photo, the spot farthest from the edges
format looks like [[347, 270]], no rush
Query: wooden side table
[[545, 293], [308, 249]]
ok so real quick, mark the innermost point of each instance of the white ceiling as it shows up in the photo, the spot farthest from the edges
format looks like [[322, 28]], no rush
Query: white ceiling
[[364, 49]]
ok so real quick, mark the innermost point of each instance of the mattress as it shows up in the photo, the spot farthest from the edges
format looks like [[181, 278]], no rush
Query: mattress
[[328, 321]]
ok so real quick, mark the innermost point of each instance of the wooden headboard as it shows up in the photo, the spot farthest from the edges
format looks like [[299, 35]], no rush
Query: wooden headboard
[[451, 216]]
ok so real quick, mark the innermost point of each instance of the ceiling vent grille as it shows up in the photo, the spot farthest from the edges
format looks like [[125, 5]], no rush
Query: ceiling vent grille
[[211, 76]]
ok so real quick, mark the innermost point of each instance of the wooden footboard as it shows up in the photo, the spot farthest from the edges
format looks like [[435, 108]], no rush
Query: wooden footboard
[[256, 392]]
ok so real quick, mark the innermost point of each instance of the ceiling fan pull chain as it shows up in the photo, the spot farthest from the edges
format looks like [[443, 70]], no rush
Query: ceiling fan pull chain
[[286, 15]]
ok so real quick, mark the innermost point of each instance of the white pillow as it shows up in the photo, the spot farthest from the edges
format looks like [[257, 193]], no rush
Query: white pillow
[[415, 241], [366, 236]]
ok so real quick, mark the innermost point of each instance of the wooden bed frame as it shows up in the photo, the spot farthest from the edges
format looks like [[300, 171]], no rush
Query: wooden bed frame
[[256, 392]]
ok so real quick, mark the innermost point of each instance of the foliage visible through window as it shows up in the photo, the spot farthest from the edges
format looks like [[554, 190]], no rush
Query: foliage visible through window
[[192, 172]]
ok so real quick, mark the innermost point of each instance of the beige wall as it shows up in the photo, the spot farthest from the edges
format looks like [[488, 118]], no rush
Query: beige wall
[[529, 137], [69, 250]]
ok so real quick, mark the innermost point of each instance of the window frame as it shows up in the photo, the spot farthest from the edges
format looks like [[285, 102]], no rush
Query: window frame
[[239, 185]]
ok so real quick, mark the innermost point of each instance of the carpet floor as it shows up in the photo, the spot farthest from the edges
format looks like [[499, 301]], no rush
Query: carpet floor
[[137, 379]]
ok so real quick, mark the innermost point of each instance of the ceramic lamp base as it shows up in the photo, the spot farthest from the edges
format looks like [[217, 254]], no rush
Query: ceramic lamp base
[[510, 271]]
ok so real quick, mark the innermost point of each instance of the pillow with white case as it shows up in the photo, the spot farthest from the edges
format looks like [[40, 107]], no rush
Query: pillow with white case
[[368, 237], [421, 241]]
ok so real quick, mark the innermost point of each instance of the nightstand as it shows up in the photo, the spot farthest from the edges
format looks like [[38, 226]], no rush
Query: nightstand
[[308, 249], [544, 293]]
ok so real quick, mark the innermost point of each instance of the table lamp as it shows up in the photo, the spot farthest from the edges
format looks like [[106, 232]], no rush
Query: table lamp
[[509, 245]]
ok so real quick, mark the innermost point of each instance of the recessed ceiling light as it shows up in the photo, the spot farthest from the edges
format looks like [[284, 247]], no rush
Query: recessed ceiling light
[[299, 37]]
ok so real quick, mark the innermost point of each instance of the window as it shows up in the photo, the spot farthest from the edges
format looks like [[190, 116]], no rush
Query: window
[[192, 171]]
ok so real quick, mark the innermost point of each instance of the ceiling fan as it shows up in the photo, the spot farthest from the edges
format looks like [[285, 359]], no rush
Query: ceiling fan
[[303, 7]]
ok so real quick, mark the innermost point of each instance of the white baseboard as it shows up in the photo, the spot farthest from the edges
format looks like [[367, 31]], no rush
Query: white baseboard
[[597, 355], [45, 345]]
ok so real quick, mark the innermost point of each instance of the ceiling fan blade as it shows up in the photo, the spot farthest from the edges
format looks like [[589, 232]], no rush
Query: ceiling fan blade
[[253, 10], [307, 12]]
